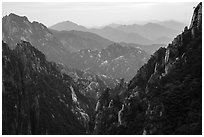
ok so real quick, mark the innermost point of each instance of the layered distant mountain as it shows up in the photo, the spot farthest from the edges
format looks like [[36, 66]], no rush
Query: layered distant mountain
[[106, 32], [117, 35], [168, 23], [77, 40], [150, 33]]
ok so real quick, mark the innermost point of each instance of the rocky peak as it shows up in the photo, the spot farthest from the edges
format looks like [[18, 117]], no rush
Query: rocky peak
[[14, 16], [15, 20], [16, 28], [197, 17]]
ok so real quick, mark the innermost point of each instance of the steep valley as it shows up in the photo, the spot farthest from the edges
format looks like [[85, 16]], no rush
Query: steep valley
[[49, 88]]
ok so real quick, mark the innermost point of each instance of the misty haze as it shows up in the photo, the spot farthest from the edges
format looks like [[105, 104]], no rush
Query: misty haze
[[100, 68]]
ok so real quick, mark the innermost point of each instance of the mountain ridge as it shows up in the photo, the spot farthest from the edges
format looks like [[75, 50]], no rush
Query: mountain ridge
[[165, 96]]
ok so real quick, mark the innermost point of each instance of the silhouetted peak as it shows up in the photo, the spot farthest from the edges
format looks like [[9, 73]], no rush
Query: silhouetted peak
[[20, 20], [14, 16], [196, 21]]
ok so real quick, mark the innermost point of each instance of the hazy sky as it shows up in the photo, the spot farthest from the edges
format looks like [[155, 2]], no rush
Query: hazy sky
[[97, 14]]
